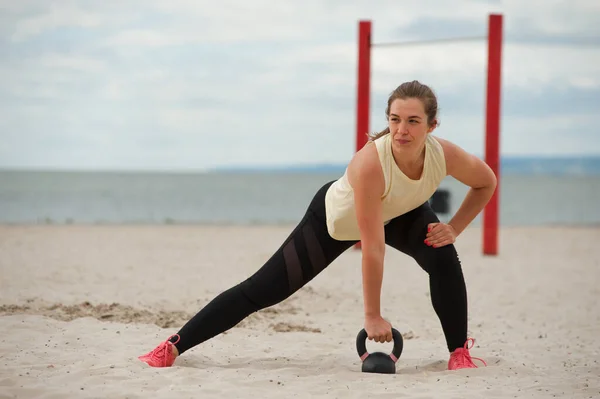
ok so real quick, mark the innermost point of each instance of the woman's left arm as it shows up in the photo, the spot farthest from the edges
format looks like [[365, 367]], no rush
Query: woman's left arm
[[473, 172]]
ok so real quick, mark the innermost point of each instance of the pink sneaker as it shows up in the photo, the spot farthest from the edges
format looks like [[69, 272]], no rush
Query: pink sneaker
[[162, 355], [461, 359]]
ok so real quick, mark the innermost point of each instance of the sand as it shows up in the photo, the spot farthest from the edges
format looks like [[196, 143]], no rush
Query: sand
[[78, 304]]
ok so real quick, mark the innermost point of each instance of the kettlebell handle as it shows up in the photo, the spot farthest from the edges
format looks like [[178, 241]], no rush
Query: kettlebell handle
[[361, 345]]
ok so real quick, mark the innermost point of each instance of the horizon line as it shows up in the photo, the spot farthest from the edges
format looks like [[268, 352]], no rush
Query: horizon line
[[316, 166]]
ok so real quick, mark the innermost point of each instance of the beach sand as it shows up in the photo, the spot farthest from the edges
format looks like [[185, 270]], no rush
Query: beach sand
[[78, 304]]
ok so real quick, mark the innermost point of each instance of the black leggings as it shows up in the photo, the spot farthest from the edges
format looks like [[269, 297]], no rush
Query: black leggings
[[309, 249]]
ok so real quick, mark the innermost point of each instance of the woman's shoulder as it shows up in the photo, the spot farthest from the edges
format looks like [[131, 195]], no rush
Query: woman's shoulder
[[366, 160], [448, 148], [365, 166], [454, 155]]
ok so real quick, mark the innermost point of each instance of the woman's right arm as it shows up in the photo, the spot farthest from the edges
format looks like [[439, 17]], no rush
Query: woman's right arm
[[366, 178]]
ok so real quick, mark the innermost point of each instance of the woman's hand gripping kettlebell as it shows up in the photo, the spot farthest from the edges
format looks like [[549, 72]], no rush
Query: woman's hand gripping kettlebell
[[378, 329]]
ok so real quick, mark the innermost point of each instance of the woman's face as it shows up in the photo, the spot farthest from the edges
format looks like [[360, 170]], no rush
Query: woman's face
[[408, 124]]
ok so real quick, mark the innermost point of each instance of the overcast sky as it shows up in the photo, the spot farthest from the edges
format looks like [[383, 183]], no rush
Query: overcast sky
[[193, 84]]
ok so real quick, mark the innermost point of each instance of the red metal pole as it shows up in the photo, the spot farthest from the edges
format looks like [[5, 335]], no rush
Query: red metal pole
[[363, 88], [492, 134]]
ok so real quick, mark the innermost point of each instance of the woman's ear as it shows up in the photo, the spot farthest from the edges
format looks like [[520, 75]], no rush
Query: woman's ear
[[432, 126]]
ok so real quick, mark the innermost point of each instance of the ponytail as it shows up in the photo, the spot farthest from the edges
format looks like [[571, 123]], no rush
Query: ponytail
[[375, 136]]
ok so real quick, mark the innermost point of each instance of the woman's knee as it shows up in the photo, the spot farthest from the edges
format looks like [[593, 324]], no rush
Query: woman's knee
[[443, 260]]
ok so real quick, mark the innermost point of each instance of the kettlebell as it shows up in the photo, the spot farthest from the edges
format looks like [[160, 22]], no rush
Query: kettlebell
[[379, 362]]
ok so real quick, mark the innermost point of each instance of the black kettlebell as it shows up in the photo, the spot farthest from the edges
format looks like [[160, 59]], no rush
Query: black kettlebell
[[379, 362]]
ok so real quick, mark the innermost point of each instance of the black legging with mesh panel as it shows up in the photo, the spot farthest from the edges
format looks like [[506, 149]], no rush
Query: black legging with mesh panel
[[309, 249]]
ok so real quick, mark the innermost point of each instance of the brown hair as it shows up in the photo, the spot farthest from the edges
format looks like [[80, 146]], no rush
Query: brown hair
[[413, 89]]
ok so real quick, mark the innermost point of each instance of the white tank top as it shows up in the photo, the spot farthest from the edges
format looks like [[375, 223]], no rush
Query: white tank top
[[401, 193]]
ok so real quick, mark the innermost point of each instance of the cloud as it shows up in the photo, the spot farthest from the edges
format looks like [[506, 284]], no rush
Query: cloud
[[71, 63], [553, 18], [565, 134], [154, 84], [146, 38], [29, 19]]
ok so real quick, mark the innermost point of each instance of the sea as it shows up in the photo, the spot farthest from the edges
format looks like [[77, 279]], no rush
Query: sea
[[532, 192]]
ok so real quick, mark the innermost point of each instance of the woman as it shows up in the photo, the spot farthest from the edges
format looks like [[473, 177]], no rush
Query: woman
[[382, 198]]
